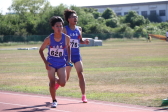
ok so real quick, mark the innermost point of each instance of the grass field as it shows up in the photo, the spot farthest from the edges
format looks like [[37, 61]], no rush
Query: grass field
[[124, 71]]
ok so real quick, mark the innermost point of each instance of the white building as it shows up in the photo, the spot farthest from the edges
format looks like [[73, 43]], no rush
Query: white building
[[160, 8]]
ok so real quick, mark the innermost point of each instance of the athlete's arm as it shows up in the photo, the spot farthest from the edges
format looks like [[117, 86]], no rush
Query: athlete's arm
[[43, 46], [86, 41], [68, 47]]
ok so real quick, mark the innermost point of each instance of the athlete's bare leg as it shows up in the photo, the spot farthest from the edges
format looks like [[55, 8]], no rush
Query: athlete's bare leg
[[68, 70], [51, 76], [79, 70], [62, 76]]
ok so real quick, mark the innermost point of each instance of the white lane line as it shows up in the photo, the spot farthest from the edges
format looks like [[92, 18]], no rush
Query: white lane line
[[27, 106], [138, 108]]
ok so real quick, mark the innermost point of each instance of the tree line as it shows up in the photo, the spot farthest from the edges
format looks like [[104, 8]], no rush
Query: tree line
[[31, 17]]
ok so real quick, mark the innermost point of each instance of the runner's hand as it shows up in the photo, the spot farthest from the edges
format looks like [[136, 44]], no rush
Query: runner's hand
[[47, 65], [86, 41], [70, 64]]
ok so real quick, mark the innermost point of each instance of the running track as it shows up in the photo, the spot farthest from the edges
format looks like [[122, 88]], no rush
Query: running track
[[22, 102]]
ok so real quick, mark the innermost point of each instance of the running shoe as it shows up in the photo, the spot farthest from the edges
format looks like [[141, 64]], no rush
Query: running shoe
[[54, 105], [84, 99], [56, 86]]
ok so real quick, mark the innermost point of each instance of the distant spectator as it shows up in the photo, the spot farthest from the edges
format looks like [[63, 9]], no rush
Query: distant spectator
[[167, 35], [149, 38]]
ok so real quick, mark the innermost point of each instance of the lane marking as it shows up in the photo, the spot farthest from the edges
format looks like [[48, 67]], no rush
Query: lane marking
[[138, 108], [27, 106]]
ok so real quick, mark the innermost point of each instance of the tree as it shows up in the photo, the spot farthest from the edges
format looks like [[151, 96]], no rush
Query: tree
[[163, 25], [24, 6], [114, 22], [43, 27], [97, 28], [140, 31], [32, 18], [125, 31], [89, 10], [96, 15], [29, 12], [108, 13], [135, 20]]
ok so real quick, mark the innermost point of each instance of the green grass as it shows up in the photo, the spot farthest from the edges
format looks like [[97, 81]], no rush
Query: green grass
[[122, 70]]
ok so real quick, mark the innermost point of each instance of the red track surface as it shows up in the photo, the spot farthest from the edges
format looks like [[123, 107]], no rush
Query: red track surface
[[21, 102]]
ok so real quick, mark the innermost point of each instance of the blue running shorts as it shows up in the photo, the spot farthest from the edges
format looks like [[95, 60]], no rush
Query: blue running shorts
[[57, 64], [74, 58]]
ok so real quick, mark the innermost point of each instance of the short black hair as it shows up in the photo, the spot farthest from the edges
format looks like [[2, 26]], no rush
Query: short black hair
[[55, 19], [67, 14]]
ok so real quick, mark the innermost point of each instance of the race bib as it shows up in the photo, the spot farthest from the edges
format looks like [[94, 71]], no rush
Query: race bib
[[74, 43], [56, 52]]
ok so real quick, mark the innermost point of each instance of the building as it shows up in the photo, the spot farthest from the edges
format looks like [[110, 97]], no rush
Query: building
[[159, 8]]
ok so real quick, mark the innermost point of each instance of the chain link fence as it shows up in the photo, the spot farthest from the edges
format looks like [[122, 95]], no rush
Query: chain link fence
[[37, 38]]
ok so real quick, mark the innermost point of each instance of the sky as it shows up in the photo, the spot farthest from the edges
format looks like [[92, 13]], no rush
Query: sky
[[4, 4]]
